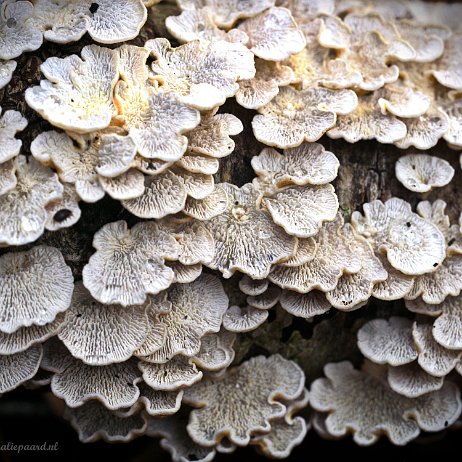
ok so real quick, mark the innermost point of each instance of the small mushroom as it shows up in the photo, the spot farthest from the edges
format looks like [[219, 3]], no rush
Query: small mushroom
[[6, 72], [11, 123], [273, 34], [306, 305], [196, 309], [18, 33], [178, 373], [255, 387], [245, 319], [205, 209], [306, 251], [7, 176], [449, 67], [77, 94], [294, 116], [19, 367], [201, 74], [216, 351], [63, 212], [388, 341], [93, 421], [266, 300], [412, 245], [364, 405], [197, 163], [99, 334], [139, 252], [250, 286], [421, 172], [35, 286], [184, 274], [239, 225]]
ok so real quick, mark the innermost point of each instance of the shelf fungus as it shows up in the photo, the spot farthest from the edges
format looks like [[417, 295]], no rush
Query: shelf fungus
[[42, 268], [294, 116], [411, 244], [201, 74], [11, 122], [243, 222], [244, 319], [362, 403], [6, 72], [257, 385], [421, 172], [141, 250], [64, 211]]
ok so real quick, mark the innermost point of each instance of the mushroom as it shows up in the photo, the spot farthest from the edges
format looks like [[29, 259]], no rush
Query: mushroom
[[216, 352], [305, 305], [306, 251], [196, 309], [388, 341], [77, 94], [7, 176], [363, 404], [205, 209], [259, 91], [176, 440], [453, 133], [18, 33], [421, 172], [253, 287], [184, 274], [448, 70], [212, 136], [273, 35], [41, 268], [334, 256], [201, 74], [197, 163], [294, 116], [11, 123], [266, 300], [99, 334], [227, 12], [140, 252], [307, 164], [63, 212], [6, 72], [176, 374], [19, 367], [411, 244], [412, 381], [106, 21], [93, 421], [25, 337], [239, 225], [255, 386], [127, 186], [245, 319]]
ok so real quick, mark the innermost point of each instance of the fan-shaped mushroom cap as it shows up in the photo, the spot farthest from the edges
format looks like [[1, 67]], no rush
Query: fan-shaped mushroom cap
[[453, 133], [184, 274], [412, 381], [239, 225], [294, 116], [412, 245], [77, 94], [433, 358], [449, 68], [334, 256], [199, 24], [35, 286], [196, 185], [176, 440], [286, 432], [202, 74], [227, 12], [18, 33], [364, 405], [266, 300], [178, 373], [63, 212], [205, 209], [388, 341], [196, 309], [24, 337], [259, 91], [93, 421], [7, 176], [421, 172], [255, 386], [307, 164], [306, 251], [304, 305], [99, 334], [17, 368], [113, 385], [138, 252], [273, 34], [250, 286], [216, 351], [197, 163], [107, 21], [127, 186], [245, 319], [6, 72], [11, 123]]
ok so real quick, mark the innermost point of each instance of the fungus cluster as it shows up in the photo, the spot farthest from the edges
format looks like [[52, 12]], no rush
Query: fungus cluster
[[195, 268]]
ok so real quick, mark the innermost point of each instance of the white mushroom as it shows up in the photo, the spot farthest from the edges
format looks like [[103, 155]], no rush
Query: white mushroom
[[11, 123], [6, 72]]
